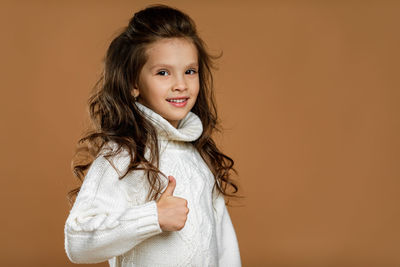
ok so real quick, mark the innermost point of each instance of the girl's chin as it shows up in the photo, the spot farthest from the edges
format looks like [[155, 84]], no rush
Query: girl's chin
[[175, 120]]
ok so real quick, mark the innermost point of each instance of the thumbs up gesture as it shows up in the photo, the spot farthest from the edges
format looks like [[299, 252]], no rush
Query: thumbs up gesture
[[172, 211]]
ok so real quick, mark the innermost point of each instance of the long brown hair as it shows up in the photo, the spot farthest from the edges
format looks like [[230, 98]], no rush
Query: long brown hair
[[115, 117]]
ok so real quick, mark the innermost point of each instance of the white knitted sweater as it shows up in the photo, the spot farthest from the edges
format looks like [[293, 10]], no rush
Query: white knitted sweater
[[111, 219]]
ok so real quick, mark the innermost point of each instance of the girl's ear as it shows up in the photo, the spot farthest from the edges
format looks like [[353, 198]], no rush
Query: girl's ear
[[135, 92]]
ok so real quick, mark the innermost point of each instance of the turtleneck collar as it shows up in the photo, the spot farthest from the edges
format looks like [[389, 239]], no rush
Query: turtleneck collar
[[189, 128]]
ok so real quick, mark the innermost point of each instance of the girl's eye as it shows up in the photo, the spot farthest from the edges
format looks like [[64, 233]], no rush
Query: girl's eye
[[191, 71], [162, 73]]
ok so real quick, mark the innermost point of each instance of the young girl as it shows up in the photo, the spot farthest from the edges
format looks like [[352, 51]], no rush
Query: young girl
[[154, 193]]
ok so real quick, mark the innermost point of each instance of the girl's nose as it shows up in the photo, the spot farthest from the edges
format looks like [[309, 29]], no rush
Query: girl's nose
[[180, 84]]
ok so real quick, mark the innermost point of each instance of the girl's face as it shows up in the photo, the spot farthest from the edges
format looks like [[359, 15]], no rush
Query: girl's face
[[169, 80]]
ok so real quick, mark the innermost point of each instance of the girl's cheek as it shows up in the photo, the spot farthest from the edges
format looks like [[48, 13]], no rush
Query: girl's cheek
[[158, 84]]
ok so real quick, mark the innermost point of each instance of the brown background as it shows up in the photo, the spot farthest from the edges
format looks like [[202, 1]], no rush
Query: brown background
[[308, 93]]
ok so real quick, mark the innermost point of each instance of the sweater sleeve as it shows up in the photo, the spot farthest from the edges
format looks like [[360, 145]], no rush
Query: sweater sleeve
[[102, 224], [228, 248]]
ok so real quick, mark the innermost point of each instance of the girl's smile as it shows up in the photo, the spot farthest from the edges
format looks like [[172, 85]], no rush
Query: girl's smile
[[169, 80], [179, 101]]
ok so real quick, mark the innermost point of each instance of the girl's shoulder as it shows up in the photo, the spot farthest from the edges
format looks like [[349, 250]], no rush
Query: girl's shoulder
[[118, 157]]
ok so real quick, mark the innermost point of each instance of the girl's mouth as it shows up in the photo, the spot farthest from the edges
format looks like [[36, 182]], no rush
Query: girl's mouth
[[178, 102]]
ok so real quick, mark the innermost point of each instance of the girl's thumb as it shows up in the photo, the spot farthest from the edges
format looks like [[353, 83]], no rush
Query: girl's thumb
[[170, 187]]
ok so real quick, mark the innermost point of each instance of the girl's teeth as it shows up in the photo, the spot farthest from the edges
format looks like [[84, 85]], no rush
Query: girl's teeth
[[177, 100]]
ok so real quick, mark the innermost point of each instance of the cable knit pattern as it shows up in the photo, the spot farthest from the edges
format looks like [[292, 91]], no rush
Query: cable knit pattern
[[112, 220]]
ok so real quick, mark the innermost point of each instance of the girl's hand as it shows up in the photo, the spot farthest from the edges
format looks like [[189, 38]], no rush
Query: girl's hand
[[172, 211]]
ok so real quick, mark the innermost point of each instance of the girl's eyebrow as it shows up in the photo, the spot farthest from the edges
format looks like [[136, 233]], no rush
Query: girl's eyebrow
[[193, 64]]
